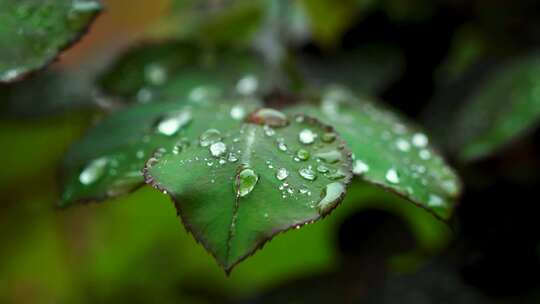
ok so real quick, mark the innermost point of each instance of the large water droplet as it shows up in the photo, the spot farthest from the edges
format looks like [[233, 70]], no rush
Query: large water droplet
[[435, 201], [218, 148], [306, 136], [360, 167], [268, 117], [93, 171], [392, 176], [307, 173], [330, 196], [331, 157], [245, 182], [282, 174], [171, 124], [209, 137], [302, 154], [338, 174], [247, 85]]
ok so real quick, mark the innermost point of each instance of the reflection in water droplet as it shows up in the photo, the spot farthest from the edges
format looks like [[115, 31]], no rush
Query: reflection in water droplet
[[93, 171], [420, 140], [302, 154], [171, 124], [392, 176], [360, 167], [331, 157], [307, 173], [238, 112], [330, 196], [268, 117], [245, 182], [218, 148], [247, 85], [209, 137], [282, 174], [306, 136]]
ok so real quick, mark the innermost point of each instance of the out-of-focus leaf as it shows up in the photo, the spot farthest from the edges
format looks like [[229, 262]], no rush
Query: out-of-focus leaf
[[271, 174], [389, 151], [51, 92], [502, 107], [108, 161], [368, 69], [178, 70], [33, 32]]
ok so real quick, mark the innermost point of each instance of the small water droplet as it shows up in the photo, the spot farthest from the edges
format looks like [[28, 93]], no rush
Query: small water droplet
[[403, 145], [282, 146], [323, 169], [420, 140], [424, 154], [218, 148], [392, 176], [232, 157], [268, 117], [247, 85], [93, 171], [331, 157], [238, 112], [171, 124], [330, 196], [302, 154], [307, 173], [435, 201], [268, 131], [360, 167], [144, 95], [139, 154], [155, 74], [282, 174], [245, 182], [209, 137], [306, 136]]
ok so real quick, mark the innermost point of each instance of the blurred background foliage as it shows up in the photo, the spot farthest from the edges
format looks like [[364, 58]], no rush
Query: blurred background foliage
[[457, 66]]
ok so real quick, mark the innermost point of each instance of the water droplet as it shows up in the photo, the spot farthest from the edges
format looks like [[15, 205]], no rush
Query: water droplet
[[302, 154], [360, 167], [307, 173], [268, 117], [203, 93], [268, 131], [247, 85], [238, 112], [424, 154], [420, 140], [139, 154], [307, 136], [218, 148], [245, 182], [403, 145], [328, 137], [232, 157], [209, 137], [282, 146], [330, 196], [338, 174], [155, 74], [144, 95], [322, 169], [392, 176], [93, 171], [171, 124], [282, 174], [435, 201], [331, 157]]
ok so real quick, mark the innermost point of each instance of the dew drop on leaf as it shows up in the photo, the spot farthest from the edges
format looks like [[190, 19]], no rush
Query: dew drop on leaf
[[403, 145], [331, 157], [338, 174], [424, 154], [322, 169], [238, 112], [302, 154], [435, 201], [218, 148], [328, 137], [360, 167], [155, 74], [282, 174], [93, 171], [307, 173], [420, 140], [209, 137], [392, 176], [247, 85], [268, 117], [171, 124], [307, 137], [245, 182], [330, 195]]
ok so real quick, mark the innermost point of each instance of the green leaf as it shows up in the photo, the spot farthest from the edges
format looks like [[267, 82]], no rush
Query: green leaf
[[33, 32], [389, 151], [108, 161], [241, 184], [504, 106], [179, 69]]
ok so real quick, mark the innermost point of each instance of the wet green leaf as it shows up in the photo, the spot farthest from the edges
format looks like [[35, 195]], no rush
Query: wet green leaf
[[182, 70], [108, 161], [33, 32], [388, 150], [504, 106], [238, 185]]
